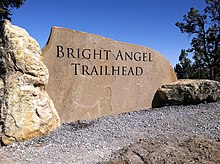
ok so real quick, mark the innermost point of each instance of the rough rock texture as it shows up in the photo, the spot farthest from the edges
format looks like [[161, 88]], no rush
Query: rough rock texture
[[185, 92], [169, 150], [26, 109], [82, 96]]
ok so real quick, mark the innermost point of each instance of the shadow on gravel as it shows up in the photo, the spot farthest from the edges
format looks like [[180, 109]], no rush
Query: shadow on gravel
[[74, 126]]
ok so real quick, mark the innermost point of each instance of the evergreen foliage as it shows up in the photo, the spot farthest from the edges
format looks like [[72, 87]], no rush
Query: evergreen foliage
[[204, 29]]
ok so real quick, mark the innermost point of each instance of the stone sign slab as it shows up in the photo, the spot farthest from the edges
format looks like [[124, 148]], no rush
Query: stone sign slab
[[93, 76]]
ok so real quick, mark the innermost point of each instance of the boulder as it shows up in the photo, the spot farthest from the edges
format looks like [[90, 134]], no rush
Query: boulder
[[186, 92], [26, 109], [98, 76], [162, 149]]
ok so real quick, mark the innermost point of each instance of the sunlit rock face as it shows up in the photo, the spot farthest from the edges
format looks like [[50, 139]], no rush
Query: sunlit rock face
[[186, 92], [26, 109], [92, 76]]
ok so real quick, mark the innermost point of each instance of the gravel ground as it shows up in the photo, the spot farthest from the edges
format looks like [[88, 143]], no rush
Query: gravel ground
[[95, 141]]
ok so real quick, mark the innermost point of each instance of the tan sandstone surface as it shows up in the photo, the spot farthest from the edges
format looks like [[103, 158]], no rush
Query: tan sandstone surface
[[125, 77]]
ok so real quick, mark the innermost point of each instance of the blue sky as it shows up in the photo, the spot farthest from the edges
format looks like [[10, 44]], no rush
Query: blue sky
[[149, 23]]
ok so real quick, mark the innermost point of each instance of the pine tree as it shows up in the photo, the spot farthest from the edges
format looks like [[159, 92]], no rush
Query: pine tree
[[204, 29], [6, 6]]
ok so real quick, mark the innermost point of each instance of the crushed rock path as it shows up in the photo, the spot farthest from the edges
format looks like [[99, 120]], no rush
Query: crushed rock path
[[95, 141]]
